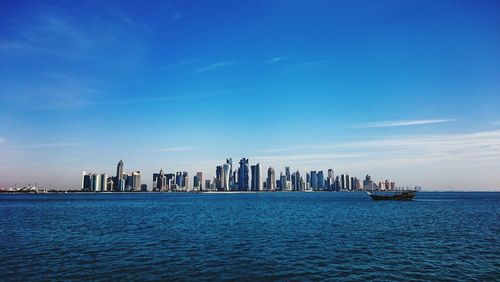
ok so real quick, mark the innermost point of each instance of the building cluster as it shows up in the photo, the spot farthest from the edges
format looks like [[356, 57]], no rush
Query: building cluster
[[122, 182], [242, 177], [246, 177]]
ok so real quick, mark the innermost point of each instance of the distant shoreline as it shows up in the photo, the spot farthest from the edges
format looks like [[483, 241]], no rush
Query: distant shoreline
[[217, 192]]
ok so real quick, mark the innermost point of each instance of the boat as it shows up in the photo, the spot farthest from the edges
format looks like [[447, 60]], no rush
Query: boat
[[396, 196]]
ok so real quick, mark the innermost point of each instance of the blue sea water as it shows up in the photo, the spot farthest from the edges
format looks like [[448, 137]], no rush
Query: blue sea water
[[260, 236]]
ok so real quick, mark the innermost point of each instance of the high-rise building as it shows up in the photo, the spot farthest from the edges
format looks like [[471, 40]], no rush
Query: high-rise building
[[199, 174], [134, 181], [296, 181], [321, 180], [110, 184], [230, 180], [120, 184], [226, 169], [256, 180], [219, 178], [94, 182], [196, 182], [330, 180], [314, 180], [287, 173], [208, 185], [185, 181], [282, 182], [179, 180], [243, 175], [159, 181], [271, 179], [86, 181]]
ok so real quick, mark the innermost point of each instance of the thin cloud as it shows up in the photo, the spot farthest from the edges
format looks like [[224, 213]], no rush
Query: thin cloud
[[177, 16], [47, 145], [273, 150], [276, 59], [403, 123], [452, 149], [2, 140], [173, 149], [217, 65], [180, 64]]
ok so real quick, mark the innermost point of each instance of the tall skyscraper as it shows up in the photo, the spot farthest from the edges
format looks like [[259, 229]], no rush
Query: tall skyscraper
[[179, 180], [321, 180], [219, 178], [256, 180], [120, 184], [330, 180], [230, 180], [226, 168], [134, 181], [185, 181], [314, 180], [196, 182], [243, 175], [199, 174], [271, 179], [159, 181], [282, 185]]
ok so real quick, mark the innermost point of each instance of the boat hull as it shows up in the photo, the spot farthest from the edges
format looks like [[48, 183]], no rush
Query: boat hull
[[402, 196]]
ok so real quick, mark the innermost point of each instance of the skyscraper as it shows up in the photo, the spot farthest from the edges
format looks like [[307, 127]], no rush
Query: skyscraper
[[321, 180], [243, 175], [179, 180], [271, 179], [226, 168], [256, 180], [230, 180], [330, 180], [159, 181], [219, 178], [199, 174], [314, 180], [120, 184], [135, 181], [282, 182]]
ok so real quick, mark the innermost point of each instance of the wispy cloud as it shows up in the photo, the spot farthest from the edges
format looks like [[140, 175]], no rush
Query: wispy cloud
[[2, 140], [172, 149], [468, 149], [402, 123], [177, 16], [47, 145], [215, 66], [276, 59], [164, 98], [50, 91], [273, 150]]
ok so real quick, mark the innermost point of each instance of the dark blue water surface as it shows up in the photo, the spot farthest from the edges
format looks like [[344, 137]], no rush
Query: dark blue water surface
[[265, 236]]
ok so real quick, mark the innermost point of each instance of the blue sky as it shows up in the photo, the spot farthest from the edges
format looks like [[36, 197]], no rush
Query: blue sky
[[401, 90]]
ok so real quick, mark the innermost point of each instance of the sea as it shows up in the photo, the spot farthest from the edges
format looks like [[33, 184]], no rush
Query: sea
[[281, 236]]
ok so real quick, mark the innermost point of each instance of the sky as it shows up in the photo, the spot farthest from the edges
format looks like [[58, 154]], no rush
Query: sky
[[401, 90]]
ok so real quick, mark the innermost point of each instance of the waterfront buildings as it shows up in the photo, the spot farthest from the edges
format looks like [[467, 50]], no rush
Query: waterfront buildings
[[243, 175], [120, 184], [271, 180], [256, 181], [244, 178]]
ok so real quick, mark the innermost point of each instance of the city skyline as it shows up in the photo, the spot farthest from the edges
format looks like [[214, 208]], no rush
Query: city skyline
[[228, 180], [401, 90]]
